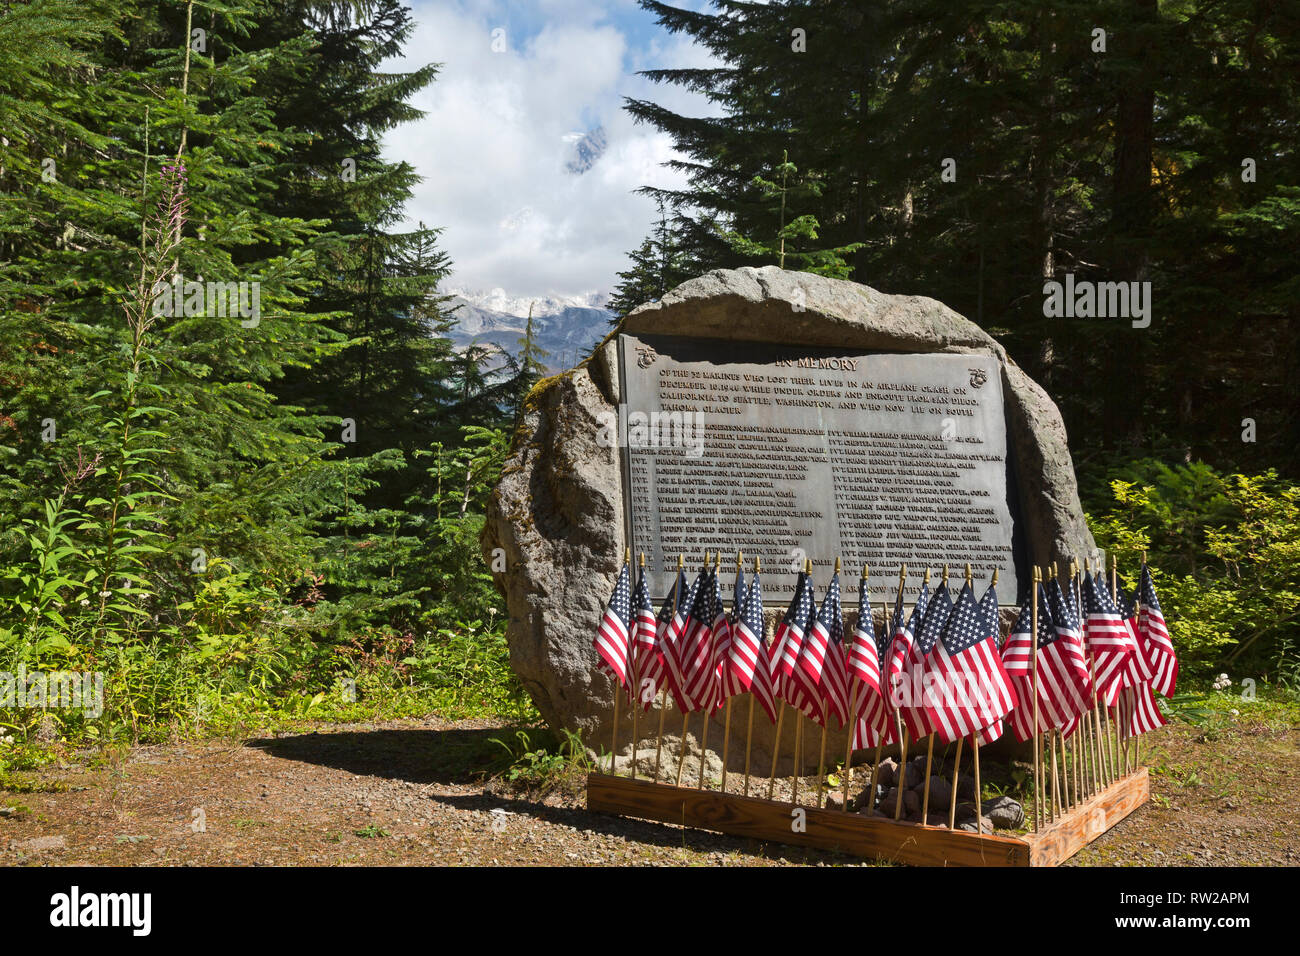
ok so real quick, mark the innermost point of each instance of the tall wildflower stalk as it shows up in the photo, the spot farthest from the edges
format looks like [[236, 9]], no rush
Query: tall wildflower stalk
[[129, 528]]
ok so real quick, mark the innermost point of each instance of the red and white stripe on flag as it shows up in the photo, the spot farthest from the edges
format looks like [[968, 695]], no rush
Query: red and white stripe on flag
[[1155, 640], [971, 690]]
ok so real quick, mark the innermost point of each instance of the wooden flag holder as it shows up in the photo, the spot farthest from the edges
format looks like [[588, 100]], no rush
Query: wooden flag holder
[[895, 841]]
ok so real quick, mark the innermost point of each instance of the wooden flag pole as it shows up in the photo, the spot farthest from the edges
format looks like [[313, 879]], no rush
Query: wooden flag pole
[[1103, 751], [749, 739], [726, 721], [1033, 668], [749, 731], [613, 745], [880, 742], [1137, 616], [975, 741], [726, 740], [704, 711], [871, 787], [634, 689], [821, 762], [852, 723], [1054, 803], [898, 723], [1114, 590], [798, 727], [663, 691], [956, 769], [659, 737], [826, 719], [776, 748], [925, 793], [1114, 725], [798, 752], [902, 769], [903, 732], [686, 716]]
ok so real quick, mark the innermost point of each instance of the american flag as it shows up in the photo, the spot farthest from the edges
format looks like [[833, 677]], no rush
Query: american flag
[[678, 650], [723, 650], [738, 593], [703, 672], [864, 655], [1140, 710], [918, 663], [1063, 679], [646, 666], [900, 646], [748, 668], [612, 636], [989, 608], [1137, 667], [1155, 638], [789, 640], [822, 673], [972, 690], [875, 721], [1107, 641], [652, 669]]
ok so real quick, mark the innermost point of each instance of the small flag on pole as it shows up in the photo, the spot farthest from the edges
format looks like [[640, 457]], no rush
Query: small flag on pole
[[646, 667], [789, 640], [747, 665], [918, 663], [1155, 637], [822, 676], [612, 636], [1106, 639], [972, 690]]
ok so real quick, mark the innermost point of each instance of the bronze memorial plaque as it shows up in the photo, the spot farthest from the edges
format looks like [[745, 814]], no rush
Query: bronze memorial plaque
[[786, 452]]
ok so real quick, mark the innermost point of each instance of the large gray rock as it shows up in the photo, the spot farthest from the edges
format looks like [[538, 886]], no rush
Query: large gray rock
[[556, 514]]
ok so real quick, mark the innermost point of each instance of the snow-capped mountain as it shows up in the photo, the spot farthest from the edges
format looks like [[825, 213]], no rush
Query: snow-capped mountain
[[565, 326], [587, 149]]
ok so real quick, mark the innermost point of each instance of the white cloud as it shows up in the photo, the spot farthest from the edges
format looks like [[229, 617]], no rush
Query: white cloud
[[498, 131]]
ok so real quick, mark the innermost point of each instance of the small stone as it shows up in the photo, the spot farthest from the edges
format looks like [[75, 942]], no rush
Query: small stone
[[914, 776], [940, 793], [969, 826], [1006, 813], [912, 803], [887, 775]]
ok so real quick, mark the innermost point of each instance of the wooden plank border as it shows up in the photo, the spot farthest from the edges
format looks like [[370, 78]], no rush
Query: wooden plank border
[[870, 837], [1057, 842]]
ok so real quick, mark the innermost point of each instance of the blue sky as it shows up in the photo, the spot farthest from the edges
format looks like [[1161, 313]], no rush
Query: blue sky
[[502, 120]]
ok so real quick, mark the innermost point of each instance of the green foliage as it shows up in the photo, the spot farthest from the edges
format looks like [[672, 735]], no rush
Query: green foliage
[[541, 759], [1224, 552], [973, 151], [181, 509]]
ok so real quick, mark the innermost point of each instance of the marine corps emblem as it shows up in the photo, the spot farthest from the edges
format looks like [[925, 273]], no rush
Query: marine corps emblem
[[978, 377], [645, 356]]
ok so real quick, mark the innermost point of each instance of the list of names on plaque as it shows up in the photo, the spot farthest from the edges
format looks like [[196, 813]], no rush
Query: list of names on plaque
[[785, 454]]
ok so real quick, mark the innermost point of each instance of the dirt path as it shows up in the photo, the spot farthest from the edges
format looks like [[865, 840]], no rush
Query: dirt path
[[413, 792]]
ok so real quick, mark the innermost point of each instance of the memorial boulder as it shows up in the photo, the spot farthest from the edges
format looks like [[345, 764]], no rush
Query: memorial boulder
[[789, 416]]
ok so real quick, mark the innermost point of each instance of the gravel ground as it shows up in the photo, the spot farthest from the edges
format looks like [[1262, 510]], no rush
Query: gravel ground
[[416, 792]]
